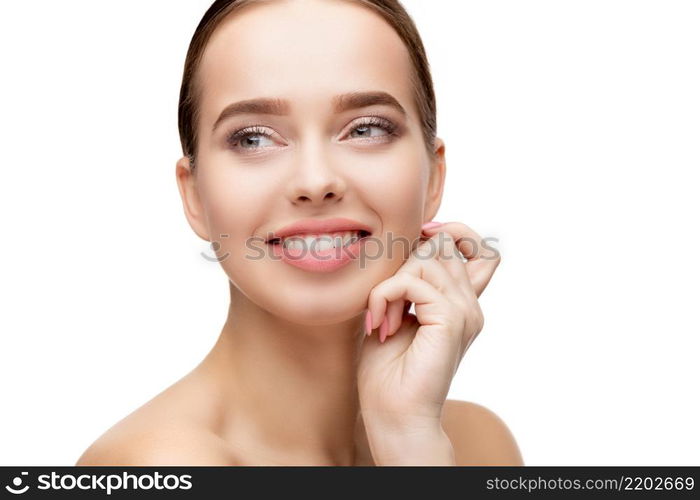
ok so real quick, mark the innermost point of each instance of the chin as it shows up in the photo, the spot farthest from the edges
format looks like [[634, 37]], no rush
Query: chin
[[316, 307]]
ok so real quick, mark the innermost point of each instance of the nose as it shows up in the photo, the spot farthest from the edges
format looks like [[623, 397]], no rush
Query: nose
[[315, 181]]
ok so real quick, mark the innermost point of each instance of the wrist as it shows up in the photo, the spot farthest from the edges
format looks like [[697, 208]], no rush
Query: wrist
[[420, 445]]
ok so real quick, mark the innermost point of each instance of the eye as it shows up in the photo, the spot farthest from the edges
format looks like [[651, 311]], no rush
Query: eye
[[365, 125], [249, 138]]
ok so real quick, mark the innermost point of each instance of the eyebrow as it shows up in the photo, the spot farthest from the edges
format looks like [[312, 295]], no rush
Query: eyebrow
[[341, 103]]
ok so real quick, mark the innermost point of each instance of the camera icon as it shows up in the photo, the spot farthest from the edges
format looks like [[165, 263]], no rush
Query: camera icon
[[17, 482]]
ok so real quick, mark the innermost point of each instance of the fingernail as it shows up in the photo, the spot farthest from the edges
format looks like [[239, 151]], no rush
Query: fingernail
[[368, 323], [383, 330], [430, 225]]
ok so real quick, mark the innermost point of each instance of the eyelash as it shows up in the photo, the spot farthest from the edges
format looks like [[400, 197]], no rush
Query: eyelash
[[376, 121]]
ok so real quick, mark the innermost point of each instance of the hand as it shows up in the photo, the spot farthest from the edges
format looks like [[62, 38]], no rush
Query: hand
[[403, 383]]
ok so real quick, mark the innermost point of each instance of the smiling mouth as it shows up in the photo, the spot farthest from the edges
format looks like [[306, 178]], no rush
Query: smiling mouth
[[342, 238]]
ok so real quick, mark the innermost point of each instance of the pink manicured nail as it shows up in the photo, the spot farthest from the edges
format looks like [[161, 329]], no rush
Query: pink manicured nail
[[368, 323], [430, 225], [383, 329]]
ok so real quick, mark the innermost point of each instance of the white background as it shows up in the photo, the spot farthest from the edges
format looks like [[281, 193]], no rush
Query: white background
[[572, 132]]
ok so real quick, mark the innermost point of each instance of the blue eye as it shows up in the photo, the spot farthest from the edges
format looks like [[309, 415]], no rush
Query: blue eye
[[246, 136], [249, 139], [375, 122]]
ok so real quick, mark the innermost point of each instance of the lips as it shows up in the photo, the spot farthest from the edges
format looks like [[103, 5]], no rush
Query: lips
[[317, 226]]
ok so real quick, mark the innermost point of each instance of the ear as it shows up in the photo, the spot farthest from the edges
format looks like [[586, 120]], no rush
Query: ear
[[187, 185], [436, 181]]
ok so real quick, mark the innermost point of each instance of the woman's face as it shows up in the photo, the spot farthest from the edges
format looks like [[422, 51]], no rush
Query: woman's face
[[313, 161]]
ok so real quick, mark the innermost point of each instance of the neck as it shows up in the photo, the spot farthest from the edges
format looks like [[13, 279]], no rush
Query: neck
[[289, 390]]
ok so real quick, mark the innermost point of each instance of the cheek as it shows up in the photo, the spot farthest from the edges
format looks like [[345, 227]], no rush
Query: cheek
[[233, 206], [231, 201], [401, 173], [398, 191], [397, 195]]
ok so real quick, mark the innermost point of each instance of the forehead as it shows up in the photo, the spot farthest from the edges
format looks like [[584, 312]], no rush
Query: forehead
[[305, 51]]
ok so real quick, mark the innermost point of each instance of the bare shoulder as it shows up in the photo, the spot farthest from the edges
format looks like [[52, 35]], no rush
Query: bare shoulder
[[478, 435], [170, 429], [129, 444]]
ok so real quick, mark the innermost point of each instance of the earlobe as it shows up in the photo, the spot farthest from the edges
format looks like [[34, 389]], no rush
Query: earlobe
[[436, 181], [191, 203]]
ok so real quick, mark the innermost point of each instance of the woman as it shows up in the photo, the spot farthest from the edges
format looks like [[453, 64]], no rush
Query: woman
[[317, 117]]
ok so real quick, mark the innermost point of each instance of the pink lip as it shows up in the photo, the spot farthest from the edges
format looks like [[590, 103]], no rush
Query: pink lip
[[315, 226], [313, 259], [320, 261]]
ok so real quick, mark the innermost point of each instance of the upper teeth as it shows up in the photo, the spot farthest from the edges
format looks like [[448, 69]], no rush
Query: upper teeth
[[321, 241]]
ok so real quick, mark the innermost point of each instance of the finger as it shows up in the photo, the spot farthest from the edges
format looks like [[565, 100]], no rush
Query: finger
[[481, 260], [394, 315], [451, 258], [424, 263], [396, 311], [481, 274], [402, 286]]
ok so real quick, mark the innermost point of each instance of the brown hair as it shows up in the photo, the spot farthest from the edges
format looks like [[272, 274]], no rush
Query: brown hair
[[391, 10]]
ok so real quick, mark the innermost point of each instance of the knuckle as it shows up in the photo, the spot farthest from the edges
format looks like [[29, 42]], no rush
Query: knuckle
[[458, 315], [478, 321], [424, 250], [377, 290], [497, 259], [464, 306], [473, 317], [404, 271]]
